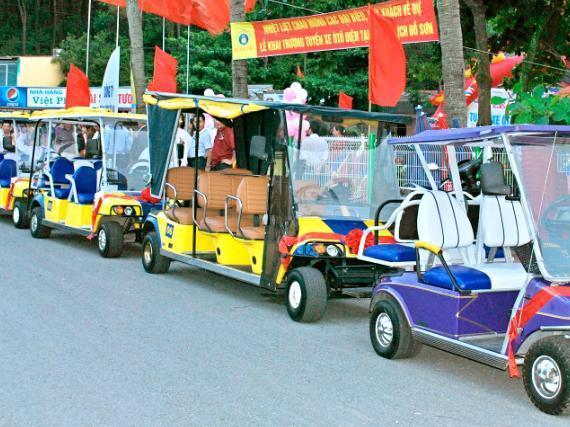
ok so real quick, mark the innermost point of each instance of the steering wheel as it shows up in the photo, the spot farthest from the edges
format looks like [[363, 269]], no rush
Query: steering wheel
[[550, 218], [308, 192]]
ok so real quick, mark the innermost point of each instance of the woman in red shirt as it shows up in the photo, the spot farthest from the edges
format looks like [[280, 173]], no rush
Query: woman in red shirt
[[223, 154]]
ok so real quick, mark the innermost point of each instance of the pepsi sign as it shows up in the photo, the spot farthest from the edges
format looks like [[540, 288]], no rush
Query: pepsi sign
[[13, 97]]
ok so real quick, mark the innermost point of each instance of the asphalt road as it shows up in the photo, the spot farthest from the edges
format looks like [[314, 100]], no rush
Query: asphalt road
[[88, 341]]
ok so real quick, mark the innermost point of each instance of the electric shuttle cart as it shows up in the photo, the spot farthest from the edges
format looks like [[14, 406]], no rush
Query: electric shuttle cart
[[285, 215], [93, 173], [487, 275]]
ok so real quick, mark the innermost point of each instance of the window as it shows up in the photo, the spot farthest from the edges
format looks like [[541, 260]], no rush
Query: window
[[8, 73]]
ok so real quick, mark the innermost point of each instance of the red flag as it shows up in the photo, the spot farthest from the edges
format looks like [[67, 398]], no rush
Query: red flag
[[250, 5], [345, 101], [300, 73], [77, 89], [165, 66], [387, 62]]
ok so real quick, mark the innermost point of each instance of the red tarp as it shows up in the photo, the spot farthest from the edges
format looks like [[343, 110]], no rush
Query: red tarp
[[387, 62], [77, 93], [206, 14]]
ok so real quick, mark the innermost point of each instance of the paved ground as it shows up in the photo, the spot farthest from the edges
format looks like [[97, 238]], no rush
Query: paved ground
[[88, 341]]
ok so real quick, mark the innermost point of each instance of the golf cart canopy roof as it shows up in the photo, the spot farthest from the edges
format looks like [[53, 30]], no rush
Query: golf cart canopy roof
[[462, 135], [232, 108], [5, 115], [79, 113]]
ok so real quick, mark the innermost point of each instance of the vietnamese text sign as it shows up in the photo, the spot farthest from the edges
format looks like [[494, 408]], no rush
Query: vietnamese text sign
[[55, 97], [415, 22]]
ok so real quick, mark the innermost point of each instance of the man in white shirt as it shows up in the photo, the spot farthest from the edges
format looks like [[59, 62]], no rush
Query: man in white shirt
[[314, 150], [205, 144]]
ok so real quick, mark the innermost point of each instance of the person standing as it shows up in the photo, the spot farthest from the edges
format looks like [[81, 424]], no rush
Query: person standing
[[223, 153], [205, 144]]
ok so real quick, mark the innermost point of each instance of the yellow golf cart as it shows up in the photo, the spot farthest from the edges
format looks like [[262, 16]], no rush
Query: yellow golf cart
[[288, 213], [94, 164], [17, 141]]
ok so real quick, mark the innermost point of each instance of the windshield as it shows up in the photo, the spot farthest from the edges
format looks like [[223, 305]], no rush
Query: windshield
[[126, 155], [340, 169], [24, 138], [544, 165]]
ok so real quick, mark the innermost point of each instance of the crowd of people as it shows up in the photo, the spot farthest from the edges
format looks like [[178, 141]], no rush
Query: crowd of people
[[216, 145]]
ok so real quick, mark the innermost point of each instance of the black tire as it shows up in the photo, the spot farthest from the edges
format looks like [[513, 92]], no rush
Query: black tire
[[110, 240], [553, 397], [307, 294], [153, 262], [20, 216], [397, 343], [37, 228]]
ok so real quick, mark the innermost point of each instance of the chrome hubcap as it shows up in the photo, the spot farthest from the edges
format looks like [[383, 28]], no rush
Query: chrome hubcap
[[102, 240], [546, 377], [384, 330], [147, 253], [16, 215], [34, 223], [295, 295]]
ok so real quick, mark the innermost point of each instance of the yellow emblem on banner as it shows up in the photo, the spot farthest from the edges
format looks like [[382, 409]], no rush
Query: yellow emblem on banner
[[244, 44]]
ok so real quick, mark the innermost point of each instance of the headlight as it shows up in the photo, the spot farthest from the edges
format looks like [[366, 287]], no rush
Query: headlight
[[129, 211], [332, 251]]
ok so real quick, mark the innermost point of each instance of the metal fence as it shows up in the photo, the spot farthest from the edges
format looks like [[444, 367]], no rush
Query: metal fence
[[348, 160], [410, 171]]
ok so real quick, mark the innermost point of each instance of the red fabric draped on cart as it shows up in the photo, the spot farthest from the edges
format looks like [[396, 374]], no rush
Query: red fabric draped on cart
[[164, 78], [206, 14], [77, 94], [387, 62]]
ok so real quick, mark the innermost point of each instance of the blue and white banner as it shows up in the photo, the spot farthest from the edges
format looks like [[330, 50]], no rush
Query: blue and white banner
[[110, 89]]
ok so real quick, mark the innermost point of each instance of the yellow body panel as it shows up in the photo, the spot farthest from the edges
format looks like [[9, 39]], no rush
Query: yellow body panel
[[229, 251], [4, 198], [255, 249], [20, 185], [78, 216], [178, 238], [55, 209]]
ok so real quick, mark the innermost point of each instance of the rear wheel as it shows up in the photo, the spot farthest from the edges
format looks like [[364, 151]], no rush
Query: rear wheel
[[307, 294], [110, 240], [153, 261], [390, 333], [546, 374], [20, 216], [37, 228]]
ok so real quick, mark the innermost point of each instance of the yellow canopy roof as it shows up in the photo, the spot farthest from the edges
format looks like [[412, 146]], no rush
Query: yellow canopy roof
[[220, 109], [84, 112], [14, 115]]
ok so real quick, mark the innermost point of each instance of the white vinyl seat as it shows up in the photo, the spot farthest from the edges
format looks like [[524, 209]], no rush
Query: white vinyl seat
[[505, 276]]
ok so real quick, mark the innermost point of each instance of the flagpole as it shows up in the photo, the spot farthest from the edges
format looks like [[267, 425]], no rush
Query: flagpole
[[163, 32], [188, 62], [88, 38], [118, 26]]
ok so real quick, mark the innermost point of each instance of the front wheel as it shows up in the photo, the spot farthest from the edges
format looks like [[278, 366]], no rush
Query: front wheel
[[20, 216], [37, 228], [546, 374], [307, 294], [390, 333], [110, 240], [153, 261]]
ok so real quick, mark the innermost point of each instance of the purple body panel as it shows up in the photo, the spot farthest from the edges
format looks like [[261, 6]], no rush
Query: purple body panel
[[454, 315], [555, 313]]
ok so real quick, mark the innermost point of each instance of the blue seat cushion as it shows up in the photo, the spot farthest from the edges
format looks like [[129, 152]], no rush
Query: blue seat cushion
[[468, 279], [62, 193], [391, 253], [5, 183], [85, 198]]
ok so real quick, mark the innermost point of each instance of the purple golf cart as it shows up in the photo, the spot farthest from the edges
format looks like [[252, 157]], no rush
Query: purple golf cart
[[483, 273]]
